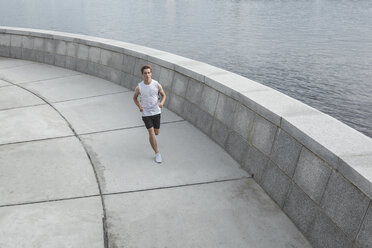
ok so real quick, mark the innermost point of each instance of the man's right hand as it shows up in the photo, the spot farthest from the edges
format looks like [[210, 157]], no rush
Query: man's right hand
[[141, 109]]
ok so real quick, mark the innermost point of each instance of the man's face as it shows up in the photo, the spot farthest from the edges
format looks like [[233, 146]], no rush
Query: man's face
[[146, 74]]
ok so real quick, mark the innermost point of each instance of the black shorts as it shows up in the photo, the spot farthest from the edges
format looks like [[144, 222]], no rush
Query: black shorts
[[152, 121]]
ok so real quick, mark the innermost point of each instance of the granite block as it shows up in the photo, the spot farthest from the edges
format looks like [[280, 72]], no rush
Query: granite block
[[233, 85], [263, 134], [301, 209], [129, 63], [29, 54], [225, 109], [358, 170], [330, 138], [285, 152], [219, 132], [71, 49], [70, 63], [325, 234], [16, 40], [364, 239], [115, 76], [103, 71], [209, 99], [60, 60], [5, 40], [92, 69], [236, 146], [204, 122], [134, 82], [180, 84], [312, 174], [191, 68], [137, 67], [16, 52], [81, 65], [176, 104], [193, 92], [159, 60], [4, 51], [82, 52], [166, 78], [272, 104], [28, 42], [49, 46], [190, 112], [61, 47], [105, 56], [344, 204], [39, 44], [126, 80], [275, 183], [94, 54], [255, 163], [39, 56], [167, 93], [243, 120], [49, 58], [112, 59]]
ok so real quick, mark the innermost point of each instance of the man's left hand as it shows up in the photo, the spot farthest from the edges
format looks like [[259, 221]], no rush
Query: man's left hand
[[160, 105]]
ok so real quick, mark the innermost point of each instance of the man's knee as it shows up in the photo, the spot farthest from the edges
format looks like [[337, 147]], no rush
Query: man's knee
[[156, 131], [151, 131]]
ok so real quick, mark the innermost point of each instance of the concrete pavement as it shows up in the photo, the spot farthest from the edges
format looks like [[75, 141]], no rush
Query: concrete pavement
[[76, 170]]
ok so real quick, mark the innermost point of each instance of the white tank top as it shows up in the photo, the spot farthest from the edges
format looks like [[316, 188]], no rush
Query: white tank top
[[149, 98]]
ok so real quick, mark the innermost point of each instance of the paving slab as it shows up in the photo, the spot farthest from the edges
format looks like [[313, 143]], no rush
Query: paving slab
[[198, 197], [70, 223], [31, 123], [106, 113], [34, 72], [224, 214], [45, 170], [14, 97], [189, 157], [73, 87], [9, 63]]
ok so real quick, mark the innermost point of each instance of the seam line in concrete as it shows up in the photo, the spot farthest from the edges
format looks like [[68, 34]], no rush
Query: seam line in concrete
[[178, 186], [125, 128], [21, 107], [87, 97], [36, 140], [41, 80], [5, 68], [47, 201]]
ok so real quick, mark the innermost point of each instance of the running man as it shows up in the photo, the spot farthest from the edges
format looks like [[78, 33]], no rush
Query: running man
[[150, 106]]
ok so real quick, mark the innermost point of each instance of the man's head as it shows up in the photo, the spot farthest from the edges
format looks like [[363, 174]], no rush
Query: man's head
[[146, 73]]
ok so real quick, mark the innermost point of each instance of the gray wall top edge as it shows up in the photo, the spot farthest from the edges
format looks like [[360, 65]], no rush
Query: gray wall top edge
[[358, 170], [324, 135]]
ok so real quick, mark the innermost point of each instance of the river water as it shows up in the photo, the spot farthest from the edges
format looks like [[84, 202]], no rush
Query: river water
[[317, 51]]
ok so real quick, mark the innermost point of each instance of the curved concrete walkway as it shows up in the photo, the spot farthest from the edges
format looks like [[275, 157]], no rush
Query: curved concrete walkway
[[76, 170]]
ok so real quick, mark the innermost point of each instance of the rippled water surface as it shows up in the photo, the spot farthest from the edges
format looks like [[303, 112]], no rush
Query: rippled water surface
[[317, 51]]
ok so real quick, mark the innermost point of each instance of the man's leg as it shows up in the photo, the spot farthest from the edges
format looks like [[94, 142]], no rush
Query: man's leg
[[152, 139]]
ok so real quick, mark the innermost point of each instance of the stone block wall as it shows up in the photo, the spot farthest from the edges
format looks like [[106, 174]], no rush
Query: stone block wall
[[317, 169]]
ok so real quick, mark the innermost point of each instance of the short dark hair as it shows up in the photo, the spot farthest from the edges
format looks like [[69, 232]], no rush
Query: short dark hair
[[146, 67]]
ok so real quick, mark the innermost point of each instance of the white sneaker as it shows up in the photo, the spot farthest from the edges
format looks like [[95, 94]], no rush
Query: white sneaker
[[158, 158]]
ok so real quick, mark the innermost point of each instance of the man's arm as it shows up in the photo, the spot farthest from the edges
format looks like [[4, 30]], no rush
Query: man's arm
[[163, 96], [135, 96]]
